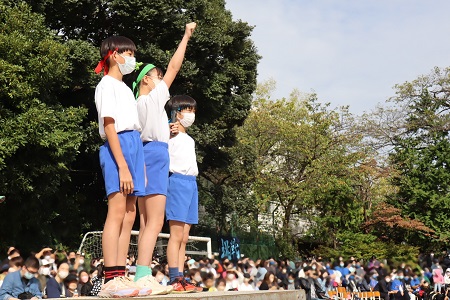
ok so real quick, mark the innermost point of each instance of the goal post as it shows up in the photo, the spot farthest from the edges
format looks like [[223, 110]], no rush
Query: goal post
[[91, 245]]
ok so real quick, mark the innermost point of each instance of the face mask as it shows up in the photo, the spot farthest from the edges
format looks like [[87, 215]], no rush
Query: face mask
[[375, 276], [63, 274], [358, 266], [81, 261], [84, 278], [400, 277], [291, 280], [393, 277], [45, 271], [47, 257], [388, 280], [351, 269], [72, 260], [128, 66], [341, 264], [314, 267], [305, 265], [230, 277], [28, 275], [198, 278], [188, 119]]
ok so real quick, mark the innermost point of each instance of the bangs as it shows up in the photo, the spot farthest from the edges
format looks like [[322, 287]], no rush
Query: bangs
[[120, 43], [183, 101]]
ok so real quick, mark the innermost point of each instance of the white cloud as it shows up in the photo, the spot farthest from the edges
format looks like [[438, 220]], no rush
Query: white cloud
[[351, 52]]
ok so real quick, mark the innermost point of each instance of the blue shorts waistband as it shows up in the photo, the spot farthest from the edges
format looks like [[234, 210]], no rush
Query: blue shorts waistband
[[184, 177], [156, 144]]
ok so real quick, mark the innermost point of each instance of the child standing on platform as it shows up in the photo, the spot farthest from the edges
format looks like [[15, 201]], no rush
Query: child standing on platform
[[121, 160], [151, 88], [182, 195]]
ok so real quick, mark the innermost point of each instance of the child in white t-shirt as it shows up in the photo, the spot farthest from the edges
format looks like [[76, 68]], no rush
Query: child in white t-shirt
[[182, 194], [151, 88]]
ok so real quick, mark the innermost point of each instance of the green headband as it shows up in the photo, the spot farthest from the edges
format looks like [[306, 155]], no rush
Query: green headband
[[144, 71]]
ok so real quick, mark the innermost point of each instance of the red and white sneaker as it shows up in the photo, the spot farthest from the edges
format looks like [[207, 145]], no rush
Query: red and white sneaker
[[180, 286]]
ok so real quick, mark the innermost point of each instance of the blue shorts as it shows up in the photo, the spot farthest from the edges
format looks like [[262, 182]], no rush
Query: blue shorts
[[156, 156], [182, 199], [133, 152]]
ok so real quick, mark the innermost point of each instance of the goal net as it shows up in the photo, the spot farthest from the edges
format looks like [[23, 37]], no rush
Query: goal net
[[91, 245]]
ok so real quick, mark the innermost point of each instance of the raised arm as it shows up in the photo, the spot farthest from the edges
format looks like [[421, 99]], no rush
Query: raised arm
[[177, 59]]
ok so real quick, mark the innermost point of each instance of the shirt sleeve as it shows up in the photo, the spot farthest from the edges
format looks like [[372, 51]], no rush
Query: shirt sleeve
[[35, 289], [7, 287], [162, 94], [105, 101]]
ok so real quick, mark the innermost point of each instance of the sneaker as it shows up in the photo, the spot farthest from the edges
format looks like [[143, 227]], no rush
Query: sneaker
[[149, 282], [143, 291], [191, 287], [179, 286], [118, 288]]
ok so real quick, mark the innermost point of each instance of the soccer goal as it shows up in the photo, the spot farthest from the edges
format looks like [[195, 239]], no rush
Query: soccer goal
[[91, 245]]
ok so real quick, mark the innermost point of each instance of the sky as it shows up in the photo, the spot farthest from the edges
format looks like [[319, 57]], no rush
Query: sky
[[350, 52]]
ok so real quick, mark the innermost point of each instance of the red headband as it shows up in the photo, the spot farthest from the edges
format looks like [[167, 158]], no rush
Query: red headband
[[103, 65]]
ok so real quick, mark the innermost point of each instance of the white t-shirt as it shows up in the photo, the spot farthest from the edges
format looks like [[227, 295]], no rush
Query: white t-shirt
[[182, 155], [114, 99], [152, 115]]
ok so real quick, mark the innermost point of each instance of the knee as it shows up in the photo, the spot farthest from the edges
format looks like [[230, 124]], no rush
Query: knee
[[185, 238]]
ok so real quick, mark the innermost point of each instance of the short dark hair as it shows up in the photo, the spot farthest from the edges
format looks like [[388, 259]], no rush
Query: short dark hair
[[180, 102], [16, 261], [116, 43], [32, 262]]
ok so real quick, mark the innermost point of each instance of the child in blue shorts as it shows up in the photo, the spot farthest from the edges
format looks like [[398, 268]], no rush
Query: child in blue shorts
[[182, 194], [151, 88], [121, 160]]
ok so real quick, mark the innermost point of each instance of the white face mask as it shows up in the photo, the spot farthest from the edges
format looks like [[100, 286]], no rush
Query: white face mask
[[81, 261], [47, 257], [63, 274], [128, 66], [45, 271], [188, 119]]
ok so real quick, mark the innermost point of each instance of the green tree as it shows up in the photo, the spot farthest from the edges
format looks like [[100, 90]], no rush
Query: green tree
[[422, 155], [40, 133], [302, 167]]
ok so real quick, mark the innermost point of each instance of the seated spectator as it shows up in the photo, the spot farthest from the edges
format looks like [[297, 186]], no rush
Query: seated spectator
[[84, 283], [194, 277], [208, 282], [291, 282], [22, 284], [221, 284], [15, 264], [246, 285], [3, 272], [159, 273], [71, 283], [44, 274], [55, 286], [269, 282]]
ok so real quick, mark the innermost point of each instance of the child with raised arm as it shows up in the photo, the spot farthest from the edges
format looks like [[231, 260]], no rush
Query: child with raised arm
[[182, 194], [151, 88], [121, 160]]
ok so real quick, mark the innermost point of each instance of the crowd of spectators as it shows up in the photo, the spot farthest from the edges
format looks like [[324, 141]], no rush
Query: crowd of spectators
[[57, 274]]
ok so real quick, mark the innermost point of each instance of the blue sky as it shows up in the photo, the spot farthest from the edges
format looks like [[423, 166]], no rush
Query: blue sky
[[350, 52]]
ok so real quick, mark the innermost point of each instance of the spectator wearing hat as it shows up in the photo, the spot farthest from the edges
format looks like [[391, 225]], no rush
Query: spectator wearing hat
[[22, 283], [44, 274]]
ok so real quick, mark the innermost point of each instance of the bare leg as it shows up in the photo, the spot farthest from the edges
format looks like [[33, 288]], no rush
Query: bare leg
[[113, 227], [174, 244], [182, 252], [125, 234], [142, 216], [154, 212]]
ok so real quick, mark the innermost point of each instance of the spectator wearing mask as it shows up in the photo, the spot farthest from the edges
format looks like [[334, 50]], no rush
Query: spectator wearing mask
[[22, 283], [44, 274], [71, 283], [383, 286], [55, 286], [373, 279], [399, 287]]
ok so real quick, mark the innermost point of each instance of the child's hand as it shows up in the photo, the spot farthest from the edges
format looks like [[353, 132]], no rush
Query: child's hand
[[174, 128], [190, 29], [126, 181]]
